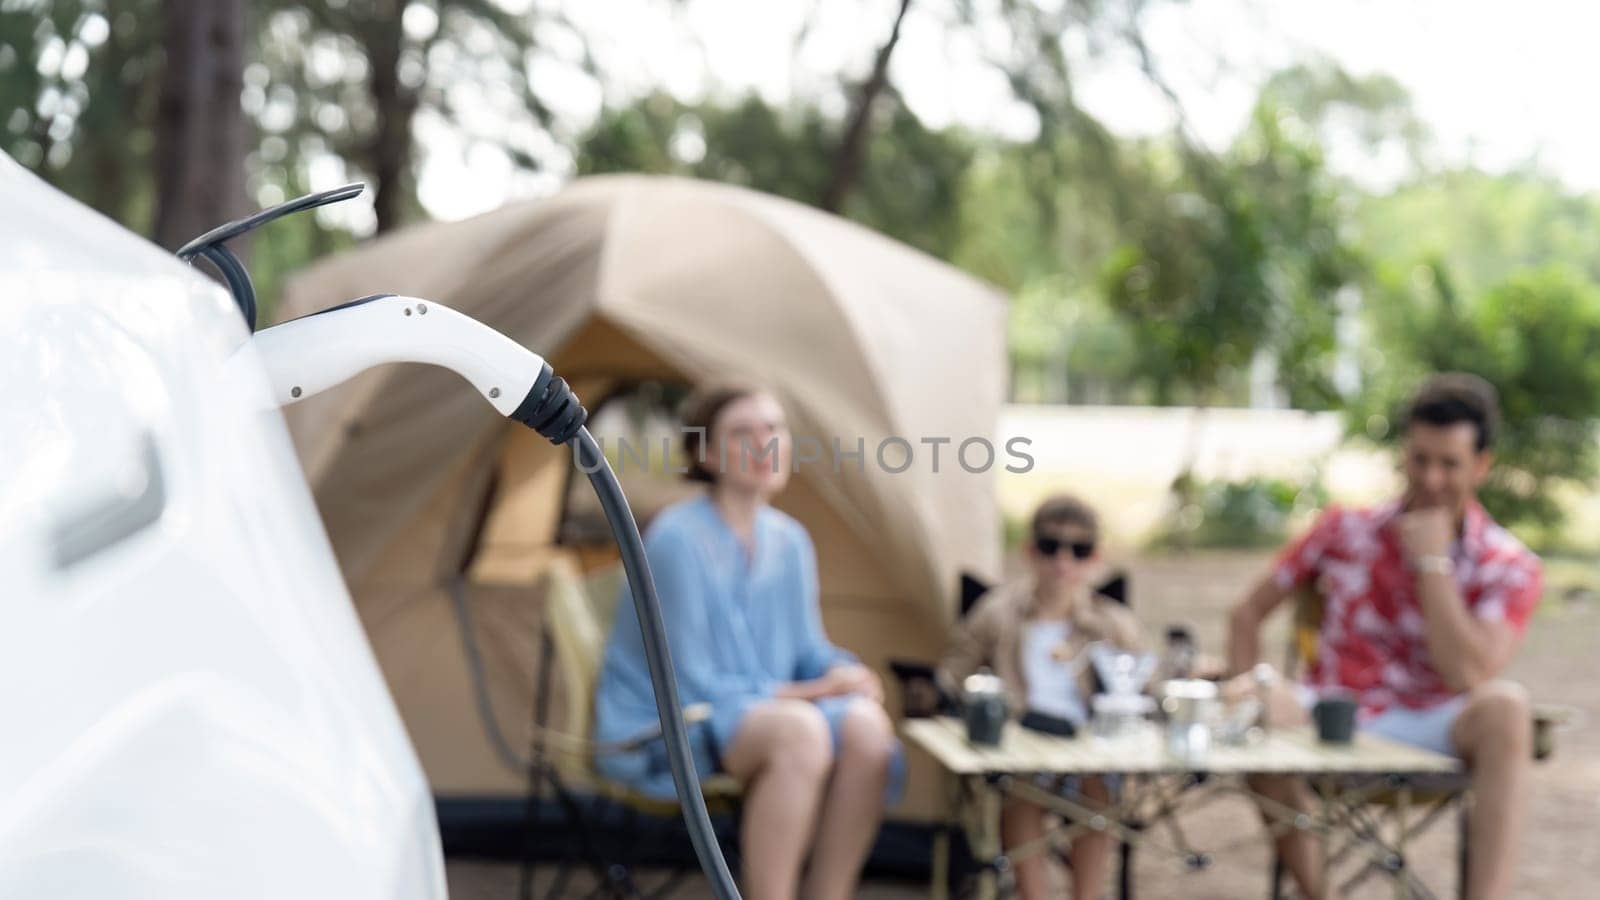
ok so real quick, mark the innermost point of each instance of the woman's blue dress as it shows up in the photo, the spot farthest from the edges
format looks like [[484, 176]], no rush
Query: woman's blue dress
[[739, 626]]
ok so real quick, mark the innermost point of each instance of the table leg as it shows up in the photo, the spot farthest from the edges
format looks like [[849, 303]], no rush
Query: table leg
[[980, 820], [1125, 871], [1329, 796], [1402, 885], [986, 843], [940, 889]]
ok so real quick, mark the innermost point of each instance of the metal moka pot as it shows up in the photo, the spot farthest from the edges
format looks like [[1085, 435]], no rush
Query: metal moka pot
[[984, 707]]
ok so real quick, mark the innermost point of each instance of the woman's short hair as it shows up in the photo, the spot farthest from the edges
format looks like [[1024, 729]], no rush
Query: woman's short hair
[[700, 409], [1065, 509]]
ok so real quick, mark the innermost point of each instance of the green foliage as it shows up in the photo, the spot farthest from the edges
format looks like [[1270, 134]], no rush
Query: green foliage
[[1227, 257], [351, 78], [913, 178], [1370, 110], [1140, 270], [1015, 532], [284, 246], [1255, 512], [1155, 271], [78, 85], [1481, 227], [912, 182], [1535, 336], [747, 143], [1224, 257], [1038, 236], [1069, 348]]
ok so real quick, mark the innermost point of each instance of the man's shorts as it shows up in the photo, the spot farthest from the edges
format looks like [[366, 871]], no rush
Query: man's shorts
[[1426, 728]]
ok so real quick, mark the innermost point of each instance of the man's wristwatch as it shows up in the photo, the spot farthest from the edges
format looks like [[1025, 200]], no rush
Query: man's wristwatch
[[1434, 563]]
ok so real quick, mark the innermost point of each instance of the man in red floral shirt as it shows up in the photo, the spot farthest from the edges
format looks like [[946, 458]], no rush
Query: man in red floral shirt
[[1425, 602]]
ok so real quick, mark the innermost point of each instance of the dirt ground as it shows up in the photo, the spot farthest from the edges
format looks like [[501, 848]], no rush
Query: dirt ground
[[1560, 854]]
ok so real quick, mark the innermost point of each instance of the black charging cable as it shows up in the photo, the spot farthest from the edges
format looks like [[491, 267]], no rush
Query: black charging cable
[[551, 409], [554, 411], [211, 246]]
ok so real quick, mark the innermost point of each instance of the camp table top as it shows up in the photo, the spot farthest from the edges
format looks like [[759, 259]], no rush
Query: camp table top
[[1285, 751], [988, 777]]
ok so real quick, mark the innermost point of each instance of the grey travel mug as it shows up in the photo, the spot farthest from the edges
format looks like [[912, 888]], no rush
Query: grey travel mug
[[1336, 719], [983, 705]]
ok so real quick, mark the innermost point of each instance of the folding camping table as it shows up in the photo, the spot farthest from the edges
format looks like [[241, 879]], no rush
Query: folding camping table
[[1029, 765]]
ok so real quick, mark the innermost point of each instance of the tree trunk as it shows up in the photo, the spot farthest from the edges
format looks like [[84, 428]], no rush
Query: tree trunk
[[389, 155], [847, 163], [200, 124]]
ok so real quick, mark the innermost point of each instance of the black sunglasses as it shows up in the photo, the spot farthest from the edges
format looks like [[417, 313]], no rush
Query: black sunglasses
[[1049, 546]]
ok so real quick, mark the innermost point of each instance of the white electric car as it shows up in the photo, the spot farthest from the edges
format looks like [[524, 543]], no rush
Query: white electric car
[[188, 705]]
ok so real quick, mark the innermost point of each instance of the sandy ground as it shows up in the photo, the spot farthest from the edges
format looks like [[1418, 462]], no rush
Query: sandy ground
[[1560, 856]]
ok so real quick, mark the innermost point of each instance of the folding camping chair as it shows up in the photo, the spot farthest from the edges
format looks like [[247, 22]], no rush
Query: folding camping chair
[[1379, 814], [576, 632]]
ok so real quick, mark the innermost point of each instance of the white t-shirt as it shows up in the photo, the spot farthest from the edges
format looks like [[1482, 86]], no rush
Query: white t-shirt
[[1052, 686]]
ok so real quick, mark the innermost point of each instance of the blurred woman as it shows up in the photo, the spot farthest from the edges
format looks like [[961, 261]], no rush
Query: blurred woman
[[1032, 634], [797, 721]]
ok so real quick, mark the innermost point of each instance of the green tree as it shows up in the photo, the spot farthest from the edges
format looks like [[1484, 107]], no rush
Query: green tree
[[912, 176], [1483, 226], [1372, 112], [78, 90], [1226, 258], [1535, 336], [748, 143], [351, 79]]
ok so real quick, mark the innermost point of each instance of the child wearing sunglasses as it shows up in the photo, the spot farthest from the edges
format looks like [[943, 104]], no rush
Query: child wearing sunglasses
[[1030, 633]]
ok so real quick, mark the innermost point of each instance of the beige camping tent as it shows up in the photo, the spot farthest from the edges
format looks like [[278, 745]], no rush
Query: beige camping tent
[[622, 279]]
